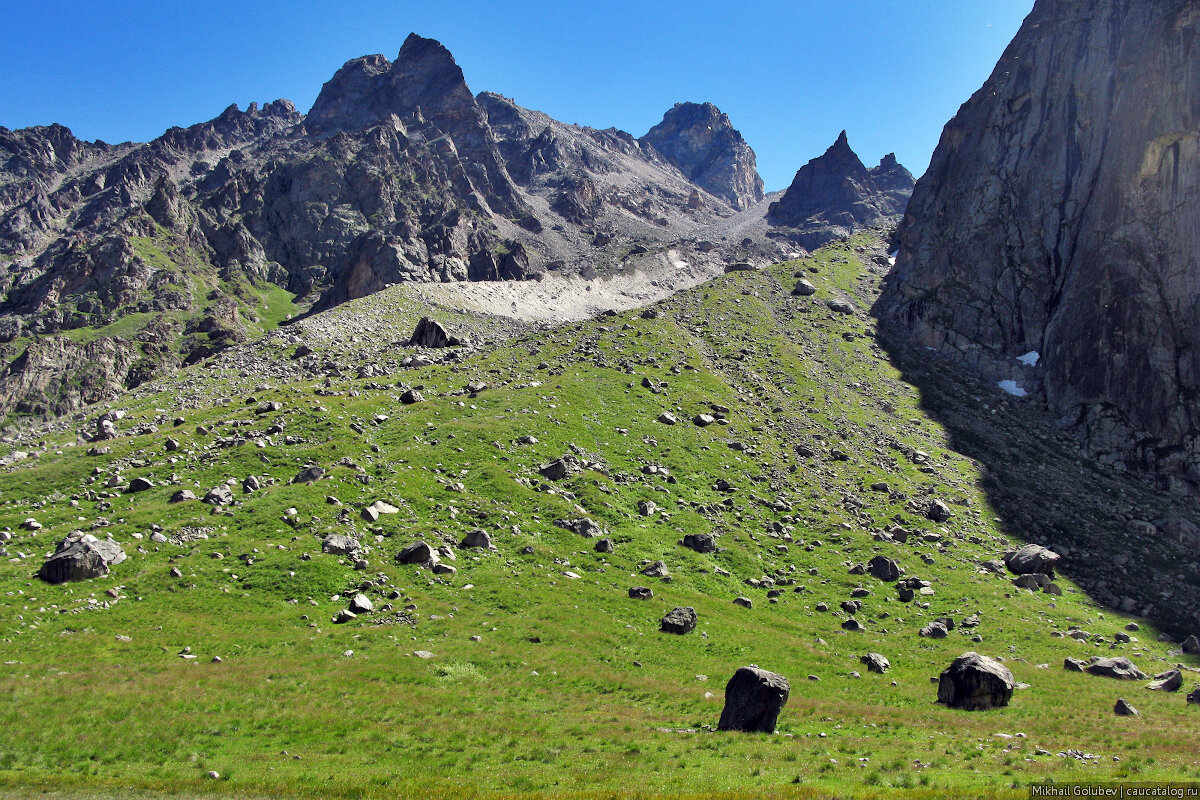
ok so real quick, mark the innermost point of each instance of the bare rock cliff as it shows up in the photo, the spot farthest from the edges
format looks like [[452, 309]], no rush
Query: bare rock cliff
[[699, 140], [1058, 221]]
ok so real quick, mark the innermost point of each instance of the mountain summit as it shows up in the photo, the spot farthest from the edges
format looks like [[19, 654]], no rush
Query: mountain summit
[[700, 140], [835, 195]]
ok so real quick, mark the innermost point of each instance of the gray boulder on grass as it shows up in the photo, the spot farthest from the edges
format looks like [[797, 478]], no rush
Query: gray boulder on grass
[[79, 557], [975, 683], [1032, 558], [679, 620]]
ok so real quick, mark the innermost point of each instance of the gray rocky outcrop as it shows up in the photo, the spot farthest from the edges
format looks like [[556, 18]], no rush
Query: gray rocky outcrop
[[1056, 224], [81, 556]]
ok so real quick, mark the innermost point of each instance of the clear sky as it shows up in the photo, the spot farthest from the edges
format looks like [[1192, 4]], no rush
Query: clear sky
[[791, 74]]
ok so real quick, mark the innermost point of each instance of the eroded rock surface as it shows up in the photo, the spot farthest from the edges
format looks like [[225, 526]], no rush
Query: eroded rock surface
[[699, 139], [1052, 242]]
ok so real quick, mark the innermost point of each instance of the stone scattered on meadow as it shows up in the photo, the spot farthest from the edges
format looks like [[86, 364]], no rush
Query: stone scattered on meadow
[[753, 699]]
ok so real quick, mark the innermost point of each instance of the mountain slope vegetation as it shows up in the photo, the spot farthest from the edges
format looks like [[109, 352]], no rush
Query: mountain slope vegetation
[[528, 668]]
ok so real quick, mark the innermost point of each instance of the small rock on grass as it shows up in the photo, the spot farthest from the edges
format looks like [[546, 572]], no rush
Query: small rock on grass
[[1123, 709]]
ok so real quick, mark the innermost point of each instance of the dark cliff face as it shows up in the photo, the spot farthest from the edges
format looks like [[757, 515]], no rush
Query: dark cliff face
[[835, 195], [1060, 215], [703, 144]]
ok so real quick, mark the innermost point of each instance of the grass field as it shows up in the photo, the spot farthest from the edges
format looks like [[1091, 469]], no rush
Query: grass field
[[542, 682]]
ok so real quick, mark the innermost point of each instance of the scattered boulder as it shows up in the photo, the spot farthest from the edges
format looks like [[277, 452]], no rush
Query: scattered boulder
[[1120, 667], [876, 662], [935, 630], [477, 540], [411, 396], [883, 568], [975, 682], [656, 569], [309, 475], [647, 508], [361, 604], [1169, 681], [339, 545], [417, 553], [753, 699], [585, 527], [1191, 645], [81, 556], [1193, 697], [938, 512], [604, 545], [556, 470], [1123, 709], [183, 495], [1032, 558], [219, 496], [430, 333], [804, 288], [700, 542], [640, 592], [667, 418], [679, 620], [140, 484], [840, 305]]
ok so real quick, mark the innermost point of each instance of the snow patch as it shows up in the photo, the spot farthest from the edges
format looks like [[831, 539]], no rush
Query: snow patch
[[1013, 388], [1030, 359], [892, 257]]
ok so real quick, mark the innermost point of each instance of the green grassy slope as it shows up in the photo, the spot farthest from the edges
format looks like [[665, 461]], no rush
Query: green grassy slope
[[569, 688]]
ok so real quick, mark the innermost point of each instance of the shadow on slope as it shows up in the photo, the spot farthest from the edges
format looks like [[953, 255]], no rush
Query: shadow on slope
[[1049, 492]]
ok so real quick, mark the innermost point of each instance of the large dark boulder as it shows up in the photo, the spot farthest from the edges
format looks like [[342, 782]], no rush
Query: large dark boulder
[[1032, 559], [884, 568], [79, 557], [753, 700], [430, 333], [975, 683], [679, 620]]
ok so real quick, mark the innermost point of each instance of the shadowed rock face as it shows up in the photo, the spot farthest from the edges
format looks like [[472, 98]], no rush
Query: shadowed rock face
[[753, 699], [835, 195], [1059, 216], [699, 140]]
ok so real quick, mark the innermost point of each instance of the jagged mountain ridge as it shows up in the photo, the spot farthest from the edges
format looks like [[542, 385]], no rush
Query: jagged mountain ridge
[[397, 173], [835, 195], [1052, 241]]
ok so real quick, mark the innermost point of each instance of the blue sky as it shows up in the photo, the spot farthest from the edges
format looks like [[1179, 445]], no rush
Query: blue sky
[[790, 74]]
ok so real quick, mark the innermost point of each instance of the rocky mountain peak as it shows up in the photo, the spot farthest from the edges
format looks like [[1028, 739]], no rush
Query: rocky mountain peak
[[835, 194], [702, 143], [368, 90]]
